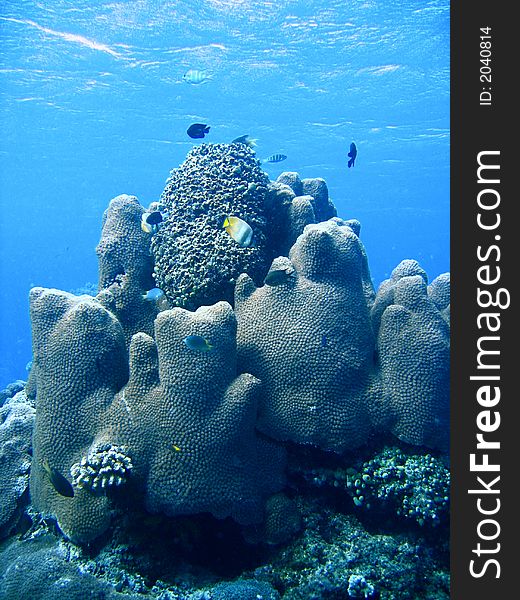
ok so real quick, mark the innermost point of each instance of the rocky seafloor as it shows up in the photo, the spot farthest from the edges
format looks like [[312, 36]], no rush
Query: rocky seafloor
[[337, 549]]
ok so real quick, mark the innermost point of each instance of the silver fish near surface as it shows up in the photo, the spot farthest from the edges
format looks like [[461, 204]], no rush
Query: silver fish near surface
[[195, 77], [274, 158]]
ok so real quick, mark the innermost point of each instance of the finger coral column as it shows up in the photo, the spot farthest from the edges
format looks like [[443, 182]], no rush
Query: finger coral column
[[310, 341]]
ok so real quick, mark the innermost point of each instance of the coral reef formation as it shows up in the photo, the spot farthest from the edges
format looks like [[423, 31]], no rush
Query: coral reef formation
[[291, 204], [317, 361], [39, 569], [183, 427], [79, 364], [314, 356], [16, 425], [11, 390], [335, 555], [126, 266], [196, 261], [393, 482], [105, 466], [413, 346]]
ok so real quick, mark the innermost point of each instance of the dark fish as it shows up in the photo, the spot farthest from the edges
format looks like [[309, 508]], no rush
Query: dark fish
[[59, 482], [150, 221], [154, 218], [239, 230], [352, 154], [275, 158], [197, 130], [278, 276], [245, 139], [197, 342]]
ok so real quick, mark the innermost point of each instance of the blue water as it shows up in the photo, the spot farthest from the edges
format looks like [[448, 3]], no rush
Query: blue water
[[92, 105]]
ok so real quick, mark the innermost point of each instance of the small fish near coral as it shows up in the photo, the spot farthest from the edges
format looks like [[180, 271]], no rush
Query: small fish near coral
[[196, 77], [197, 342], [153, 294], [352, 154], [151, 221], [279, 276], [197, 130], [245, 139], [58, 481], [239, 230], [274, 158]]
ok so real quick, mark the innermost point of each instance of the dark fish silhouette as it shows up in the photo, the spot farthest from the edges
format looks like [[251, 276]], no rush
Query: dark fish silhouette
[[150, 221], [154, 218], [352, 154], [197, 342], [59, 483], [197, 130], [274, 158]]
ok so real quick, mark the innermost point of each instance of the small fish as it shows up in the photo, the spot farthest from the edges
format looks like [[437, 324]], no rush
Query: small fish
[[28, 366], [153, 294], [239, 230], [274, 158], [197, 130], [176, 448], [150, 221], [197, 342], [352, 154], [59, 482], [278, 276], [195, 76], [245, 139]]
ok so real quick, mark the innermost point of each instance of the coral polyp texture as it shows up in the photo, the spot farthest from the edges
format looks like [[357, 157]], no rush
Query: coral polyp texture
[[16, 424], [126, 266], [188, 408], [413, 346], [311, 342], [196, 260], [178, 423], [195, 420]]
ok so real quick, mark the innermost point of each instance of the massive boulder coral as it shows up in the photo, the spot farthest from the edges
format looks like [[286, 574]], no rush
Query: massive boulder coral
[[316, 358], [126, 266], [310, 340], [196, 420], [413, 346], [196, 260], [79, 364], [16, 423], [177, 424], [291, 204]]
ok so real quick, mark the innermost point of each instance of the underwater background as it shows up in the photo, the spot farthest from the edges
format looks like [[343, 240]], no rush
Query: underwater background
[[93, 104], [273, 422]]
